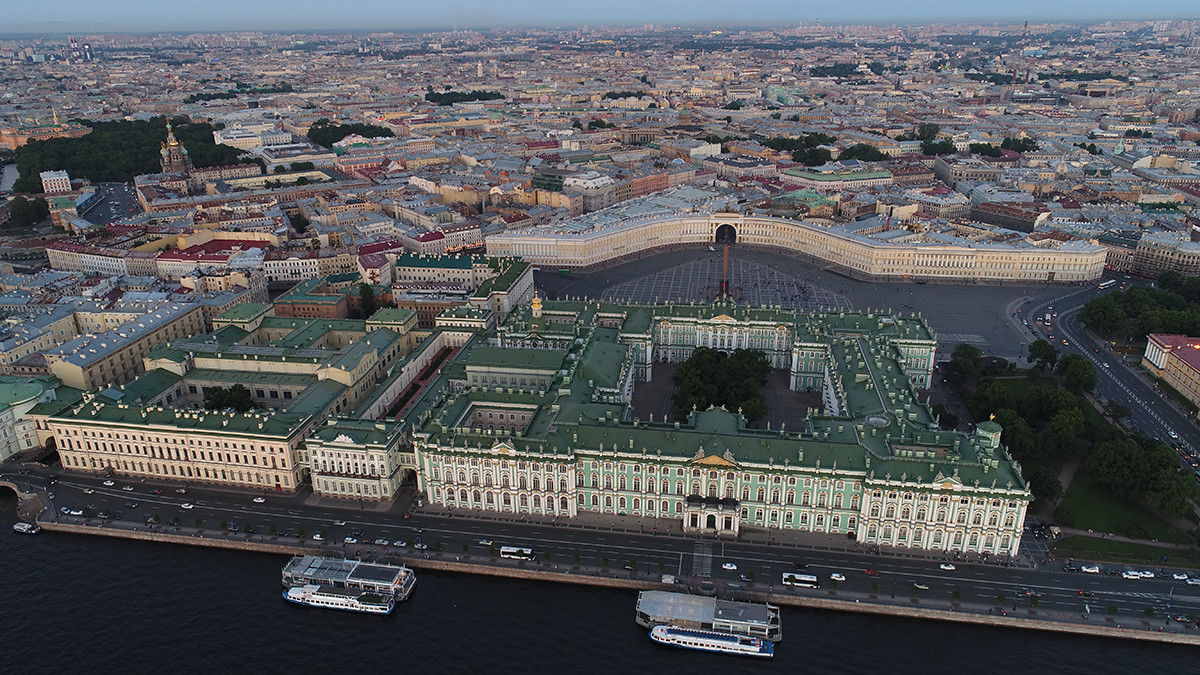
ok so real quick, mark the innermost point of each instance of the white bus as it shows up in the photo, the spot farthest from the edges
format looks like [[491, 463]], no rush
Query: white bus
[[805, 580], [516, 553], [1108, 284]]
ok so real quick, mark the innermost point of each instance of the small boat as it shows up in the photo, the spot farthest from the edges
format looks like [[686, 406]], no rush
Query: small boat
[[712, 641], [26, 528]]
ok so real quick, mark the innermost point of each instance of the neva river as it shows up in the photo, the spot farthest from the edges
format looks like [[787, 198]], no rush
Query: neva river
[[99, 605]]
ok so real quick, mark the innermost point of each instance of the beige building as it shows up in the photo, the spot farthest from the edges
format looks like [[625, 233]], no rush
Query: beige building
[[895, 255], [245, 450], [358, 459], [96, 360]]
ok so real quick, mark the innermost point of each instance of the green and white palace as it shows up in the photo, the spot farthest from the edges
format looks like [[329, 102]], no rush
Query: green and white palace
[[537, 418]]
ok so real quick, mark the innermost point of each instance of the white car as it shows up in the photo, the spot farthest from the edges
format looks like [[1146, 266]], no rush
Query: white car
[[947, 567], [1179, 576], [259, 500], [88, 491], [1130, 574], [837, 576], [1146, 574], [1193, 581], [381, 542], [349, 540], [127, 488], [109, 483], [729, 566], [420, 547], [187, 505], [1090, 569], [485, 542], [318, 537]]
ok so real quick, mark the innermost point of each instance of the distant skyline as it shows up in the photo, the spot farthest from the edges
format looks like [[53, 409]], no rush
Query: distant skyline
[[106, 16]]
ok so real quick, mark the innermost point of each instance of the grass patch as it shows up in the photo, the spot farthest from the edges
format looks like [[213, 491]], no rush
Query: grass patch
[[1092, 508], [1108, 550]]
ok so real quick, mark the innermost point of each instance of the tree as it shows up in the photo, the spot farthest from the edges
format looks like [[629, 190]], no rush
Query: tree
[[1043, 353], [966, 364], [220, 398], [366, 295], [1061, 435], [300, 222], [927, 131], [328, 134], [733, 105], [21, 212], [712, 378], [985, 149], [1044, 483], [989, 397], [942, 147], [1078, 373], [862, 152]]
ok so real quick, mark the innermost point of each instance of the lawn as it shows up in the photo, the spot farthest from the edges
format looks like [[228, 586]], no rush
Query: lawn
[[1093, 508], [1108, 550]]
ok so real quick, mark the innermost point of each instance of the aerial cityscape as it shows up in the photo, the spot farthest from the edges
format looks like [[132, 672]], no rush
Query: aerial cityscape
[[768, 329]]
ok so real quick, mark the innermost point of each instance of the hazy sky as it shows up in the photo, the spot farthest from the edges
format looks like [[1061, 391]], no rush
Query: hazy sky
[[52, 16]]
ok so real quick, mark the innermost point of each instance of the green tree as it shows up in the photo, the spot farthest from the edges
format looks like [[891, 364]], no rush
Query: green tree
[[1043, 353], [1079, 375], [733, 105], [942, 147], [366, 296], [966, 364], [928, 131], [220, 398], [985, 149], [862, 152], [300, 222], [1046, 487], [1061, 436], [21, 212], [990, 397]]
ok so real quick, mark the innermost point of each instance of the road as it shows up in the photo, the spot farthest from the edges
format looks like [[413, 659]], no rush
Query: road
[[1151, 411], [588, 548], [118, 201]]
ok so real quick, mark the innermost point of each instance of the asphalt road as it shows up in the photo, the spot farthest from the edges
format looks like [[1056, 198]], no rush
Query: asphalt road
[[119, 201], [687, 557]]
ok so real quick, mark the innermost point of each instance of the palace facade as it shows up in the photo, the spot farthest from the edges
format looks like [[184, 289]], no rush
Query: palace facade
[[553, 431]]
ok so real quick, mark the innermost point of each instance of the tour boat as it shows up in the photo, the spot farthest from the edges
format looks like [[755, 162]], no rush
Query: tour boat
[[26, 528], [332, 598], [712, 641]]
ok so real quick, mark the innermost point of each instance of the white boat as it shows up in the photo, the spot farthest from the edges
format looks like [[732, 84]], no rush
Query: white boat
[[712, 641], [26, 528], [333, 598]]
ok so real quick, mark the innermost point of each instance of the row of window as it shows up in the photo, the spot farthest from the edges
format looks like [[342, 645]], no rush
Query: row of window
[[173, 471]]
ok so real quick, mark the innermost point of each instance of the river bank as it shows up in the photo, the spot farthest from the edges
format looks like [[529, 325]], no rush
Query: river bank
[[1103, 627]]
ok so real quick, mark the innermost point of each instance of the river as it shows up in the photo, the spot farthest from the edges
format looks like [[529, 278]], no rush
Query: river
[[94, 604]]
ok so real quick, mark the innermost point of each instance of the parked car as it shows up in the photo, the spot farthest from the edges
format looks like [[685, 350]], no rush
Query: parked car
[[1090, 569], [746, 577], [349, 540], [1130, 574], [381, 542], [181, 491], [1179, 576], [420, 547], [318, 537], [1193, 581]]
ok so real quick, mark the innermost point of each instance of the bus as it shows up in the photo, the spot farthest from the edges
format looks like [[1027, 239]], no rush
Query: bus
[[805, 580], [1108, 284], [516, 553]]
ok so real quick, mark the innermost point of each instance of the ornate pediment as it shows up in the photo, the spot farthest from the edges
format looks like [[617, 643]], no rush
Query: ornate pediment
[[503, 448], [343, 438], [724, 318], [714, 460]]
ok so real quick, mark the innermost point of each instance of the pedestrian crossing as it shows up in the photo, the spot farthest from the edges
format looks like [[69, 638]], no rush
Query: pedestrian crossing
[[702, 559]]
